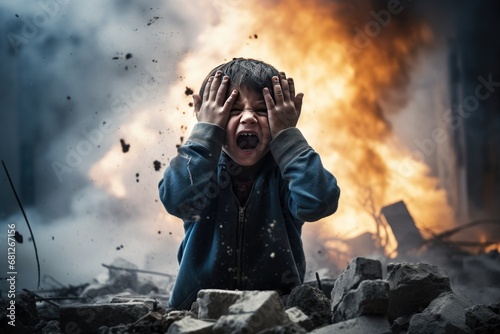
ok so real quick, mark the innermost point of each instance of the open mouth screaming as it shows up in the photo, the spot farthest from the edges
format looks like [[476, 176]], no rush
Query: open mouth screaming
[[247, 141]]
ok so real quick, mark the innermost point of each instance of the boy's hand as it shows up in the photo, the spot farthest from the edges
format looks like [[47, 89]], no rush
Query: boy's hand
[[285, 111], [214, 107]]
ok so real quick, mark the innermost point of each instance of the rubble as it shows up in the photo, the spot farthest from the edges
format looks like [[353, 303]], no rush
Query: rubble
[[445, 314], [358, 270], [299, 318], [253, 312], [483, 318], [419, 283], [364, 324], [191, 325], [312, 302], [213, 303], [414, 298], [370, 298], [89, 318]]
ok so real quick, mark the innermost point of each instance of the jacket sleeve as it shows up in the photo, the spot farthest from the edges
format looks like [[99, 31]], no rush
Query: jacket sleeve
[[187, 181], [313, 192]]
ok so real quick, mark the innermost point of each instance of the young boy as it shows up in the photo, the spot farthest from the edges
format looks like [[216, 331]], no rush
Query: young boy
[[244, 183]]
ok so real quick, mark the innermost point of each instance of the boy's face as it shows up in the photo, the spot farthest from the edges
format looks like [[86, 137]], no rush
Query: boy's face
[[247, 131]]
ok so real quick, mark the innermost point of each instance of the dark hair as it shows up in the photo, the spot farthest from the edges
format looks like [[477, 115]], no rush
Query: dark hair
[[250, 73]]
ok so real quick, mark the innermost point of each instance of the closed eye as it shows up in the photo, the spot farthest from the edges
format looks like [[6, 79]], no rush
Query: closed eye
[[235, 111], [261, 112]]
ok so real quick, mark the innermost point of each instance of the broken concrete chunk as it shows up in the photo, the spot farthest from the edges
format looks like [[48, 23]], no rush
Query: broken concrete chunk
[[444, 315], [88, 318], [312, 302], [214, 303], [413, 286], [358, 270], [483, 318], [190, 325], [150, 302], [298, 317], [370, 298], [364, 324], [253, 312], [403, 226]]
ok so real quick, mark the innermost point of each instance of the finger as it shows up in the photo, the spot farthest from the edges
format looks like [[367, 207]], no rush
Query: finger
[[268, 99], [298, 103], [228, 105], [196, 102], [214, 87], [285, 88], [221, 92], [291, 84], [206, 91], [278, 92]]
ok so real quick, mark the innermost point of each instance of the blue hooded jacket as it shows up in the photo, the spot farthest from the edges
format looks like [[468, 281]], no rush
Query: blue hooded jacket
[[257, 246]]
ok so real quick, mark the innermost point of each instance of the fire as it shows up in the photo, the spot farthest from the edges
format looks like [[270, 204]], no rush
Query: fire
[[351, 82]]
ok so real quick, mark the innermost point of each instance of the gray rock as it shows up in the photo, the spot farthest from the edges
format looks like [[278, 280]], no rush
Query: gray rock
[[284, 329], [298, 317], [190, 325], [150, 302], [483, 318], [253, 312], [85, 318], [214, 303], [444, 315], [370, 298], [400, 325], [364, 324], [413, 286], [358, 270], [312, 302]]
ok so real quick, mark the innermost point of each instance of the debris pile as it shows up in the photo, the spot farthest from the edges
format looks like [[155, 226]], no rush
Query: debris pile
[[413, 298]]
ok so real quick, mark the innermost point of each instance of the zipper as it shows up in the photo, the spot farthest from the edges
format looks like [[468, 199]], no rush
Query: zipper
[[239, 245]]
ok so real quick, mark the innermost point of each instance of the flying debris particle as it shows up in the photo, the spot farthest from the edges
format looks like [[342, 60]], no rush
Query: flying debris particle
[[125, 146], [119, 247], [128, 56], [153, 20], [68, 97], [136, 174], [182, 140], [19, 237], [190, 104], [159, 232], [255, 36], [157, 165], [155, 61], [272, 255], [137, 177], [17, 15], [116, 58], [170, 233], [188, 91], [52, 237]]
